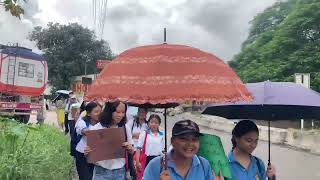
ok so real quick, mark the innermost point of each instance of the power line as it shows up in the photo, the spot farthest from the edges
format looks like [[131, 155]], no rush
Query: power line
[[104, 17], [99, 15], [94, 12]]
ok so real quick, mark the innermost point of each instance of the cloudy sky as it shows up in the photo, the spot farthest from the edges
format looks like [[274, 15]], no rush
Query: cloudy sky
[[216, 26]]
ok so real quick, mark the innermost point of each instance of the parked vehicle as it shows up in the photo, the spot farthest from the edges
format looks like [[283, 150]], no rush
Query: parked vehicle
[[23, 78]]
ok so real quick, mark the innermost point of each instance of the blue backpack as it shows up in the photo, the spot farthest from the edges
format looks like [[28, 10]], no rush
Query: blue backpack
[[75, 139]]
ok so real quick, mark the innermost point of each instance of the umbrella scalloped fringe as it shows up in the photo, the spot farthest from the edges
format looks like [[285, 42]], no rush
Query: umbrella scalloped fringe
[[171, 100]]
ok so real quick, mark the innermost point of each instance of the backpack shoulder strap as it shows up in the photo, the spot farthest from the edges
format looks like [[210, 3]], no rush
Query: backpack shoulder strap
[[259, 166], [258, 163], [144, 142], [161, 163], [86, 119], [132, 125], [125, 133], [87, 123], [69, 105], [126, 153], [202, 165]]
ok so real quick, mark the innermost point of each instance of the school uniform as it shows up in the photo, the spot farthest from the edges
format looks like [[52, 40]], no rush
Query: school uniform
[[256, 170], [200, 169], [70, 116], [135, 128], [84, 169], [114, 168], [154, 144]]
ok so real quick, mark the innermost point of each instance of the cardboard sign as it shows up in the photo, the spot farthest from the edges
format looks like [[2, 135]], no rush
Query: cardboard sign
[[105, 144]]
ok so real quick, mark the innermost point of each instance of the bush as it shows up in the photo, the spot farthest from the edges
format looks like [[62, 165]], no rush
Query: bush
[[33, 152]]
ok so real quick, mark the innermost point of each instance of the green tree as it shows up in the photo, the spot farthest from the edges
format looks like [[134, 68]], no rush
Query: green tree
[[69, 50], [13, 6], [283, 40]]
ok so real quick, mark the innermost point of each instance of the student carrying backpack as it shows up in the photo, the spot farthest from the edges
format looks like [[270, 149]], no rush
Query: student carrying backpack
[[245, 136], [78, 140], [75, 139], [113, 116]]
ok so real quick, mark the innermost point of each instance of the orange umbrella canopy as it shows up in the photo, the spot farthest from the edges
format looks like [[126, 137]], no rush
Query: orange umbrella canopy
[[164, 74]]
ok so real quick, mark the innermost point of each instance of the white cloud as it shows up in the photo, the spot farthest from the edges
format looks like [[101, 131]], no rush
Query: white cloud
[[217, 26], [13, 30]]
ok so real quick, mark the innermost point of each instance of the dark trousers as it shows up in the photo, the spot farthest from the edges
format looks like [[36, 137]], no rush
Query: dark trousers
[[85, 169], [149, 158], [66, 126], [131, 167], [71, 124]]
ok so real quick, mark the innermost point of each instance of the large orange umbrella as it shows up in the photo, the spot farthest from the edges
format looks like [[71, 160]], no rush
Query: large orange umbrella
[[164, 75]]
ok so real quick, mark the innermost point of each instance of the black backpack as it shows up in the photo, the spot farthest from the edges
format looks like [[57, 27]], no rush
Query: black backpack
[[75, 139]]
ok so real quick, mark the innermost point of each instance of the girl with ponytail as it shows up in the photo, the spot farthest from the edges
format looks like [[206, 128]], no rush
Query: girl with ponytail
[[245, 166]]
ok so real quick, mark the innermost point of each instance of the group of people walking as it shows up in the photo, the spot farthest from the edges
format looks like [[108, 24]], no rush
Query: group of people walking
[[68, 111], [141, 133], [145, 148]]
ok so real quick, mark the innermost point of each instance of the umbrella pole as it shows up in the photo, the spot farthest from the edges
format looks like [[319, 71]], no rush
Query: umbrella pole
[[269, 144], [165, 139], [269, 152], [165, 130]]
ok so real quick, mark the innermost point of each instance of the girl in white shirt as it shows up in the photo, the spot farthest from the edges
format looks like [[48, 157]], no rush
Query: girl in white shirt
[[154, 144], [113, 116], [138, 125], [85, 169], [70, 120]]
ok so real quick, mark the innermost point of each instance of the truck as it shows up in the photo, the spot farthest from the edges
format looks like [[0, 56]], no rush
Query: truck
[[23, 79]]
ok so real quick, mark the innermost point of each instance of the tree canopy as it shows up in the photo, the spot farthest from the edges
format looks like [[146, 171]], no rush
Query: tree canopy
[[283, 40], [70, 50], [13, 7]]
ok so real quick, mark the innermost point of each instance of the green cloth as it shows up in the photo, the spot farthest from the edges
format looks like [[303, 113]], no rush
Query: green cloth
[[211, 148]]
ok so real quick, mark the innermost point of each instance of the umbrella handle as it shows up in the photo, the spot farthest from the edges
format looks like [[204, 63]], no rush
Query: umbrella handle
[[269, 143], [165, 162], [274, 176]]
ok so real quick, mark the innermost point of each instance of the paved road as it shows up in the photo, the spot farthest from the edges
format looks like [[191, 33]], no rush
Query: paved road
[[291, 164], [51, 118]]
